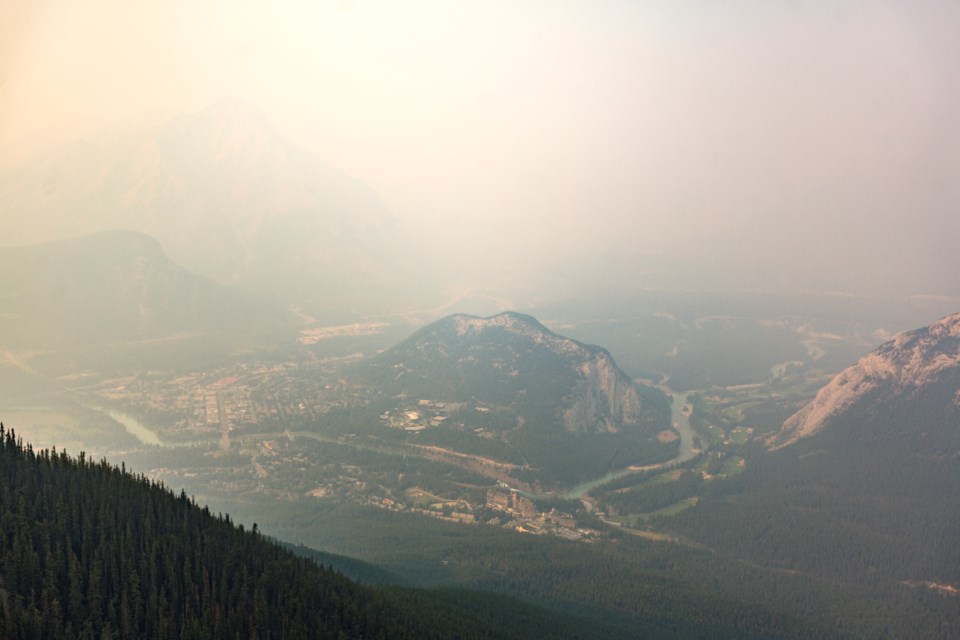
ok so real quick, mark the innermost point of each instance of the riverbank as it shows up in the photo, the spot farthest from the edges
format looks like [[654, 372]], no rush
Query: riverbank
[[680, 419]]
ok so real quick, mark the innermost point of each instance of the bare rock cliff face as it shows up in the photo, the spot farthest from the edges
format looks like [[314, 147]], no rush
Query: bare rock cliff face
[[898, 369], [603, 400]]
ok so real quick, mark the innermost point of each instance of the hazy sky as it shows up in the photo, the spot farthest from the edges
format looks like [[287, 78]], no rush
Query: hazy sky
[[628, 123]]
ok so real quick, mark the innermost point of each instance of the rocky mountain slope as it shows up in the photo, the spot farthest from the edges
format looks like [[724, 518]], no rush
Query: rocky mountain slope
[[860, 487], [916, 373]]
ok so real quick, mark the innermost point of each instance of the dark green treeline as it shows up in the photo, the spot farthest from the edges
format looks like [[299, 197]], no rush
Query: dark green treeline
[[90, 551]]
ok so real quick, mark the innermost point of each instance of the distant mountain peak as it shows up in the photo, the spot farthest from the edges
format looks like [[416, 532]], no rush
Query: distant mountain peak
[[947, 326], [468, 322], [895, 372], [232, 126], [228, 197], [228, 112], [114, 286], [231, 107], [512, 321]]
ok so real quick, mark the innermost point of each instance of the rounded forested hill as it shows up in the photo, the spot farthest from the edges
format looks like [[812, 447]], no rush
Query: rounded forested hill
[[562, 407], [512, 359]]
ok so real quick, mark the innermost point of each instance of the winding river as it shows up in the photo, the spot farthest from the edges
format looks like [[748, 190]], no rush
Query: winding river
[[686, 451]]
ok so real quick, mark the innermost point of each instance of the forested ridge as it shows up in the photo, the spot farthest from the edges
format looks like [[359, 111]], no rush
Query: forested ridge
[[88, 550]]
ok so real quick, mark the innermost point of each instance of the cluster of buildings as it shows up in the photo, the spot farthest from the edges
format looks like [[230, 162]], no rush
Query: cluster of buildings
[[415, 418], [244, 398], [522, 515], [247, 402]]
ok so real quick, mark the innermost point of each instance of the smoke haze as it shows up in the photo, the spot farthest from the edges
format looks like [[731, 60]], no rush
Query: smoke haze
[[774, 145]]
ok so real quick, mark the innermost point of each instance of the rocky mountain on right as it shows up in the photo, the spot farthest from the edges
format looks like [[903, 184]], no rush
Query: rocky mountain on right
[[907, 389], [860, 487]]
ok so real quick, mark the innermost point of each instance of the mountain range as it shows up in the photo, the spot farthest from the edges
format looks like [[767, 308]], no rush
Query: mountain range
[[225, 194], [114, 287]]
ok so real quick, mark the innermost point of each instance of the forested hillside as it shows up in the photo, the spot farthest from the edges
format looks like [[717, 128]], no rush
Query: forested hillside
[[512, 390], [89, 551]]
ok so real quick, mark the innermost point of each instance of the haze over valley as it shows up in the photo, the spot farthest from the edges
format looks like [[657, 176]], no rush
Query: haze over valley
[[541, 320]]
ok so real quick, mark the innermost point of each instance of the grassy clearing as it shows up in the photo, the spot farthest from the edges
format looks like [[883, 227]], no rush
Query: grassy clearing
[[799, 386], [421, 498], [740, 435], [733, 465], [669, 476], [656, 536], [628, 520], [715, 434], [672, 510]]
